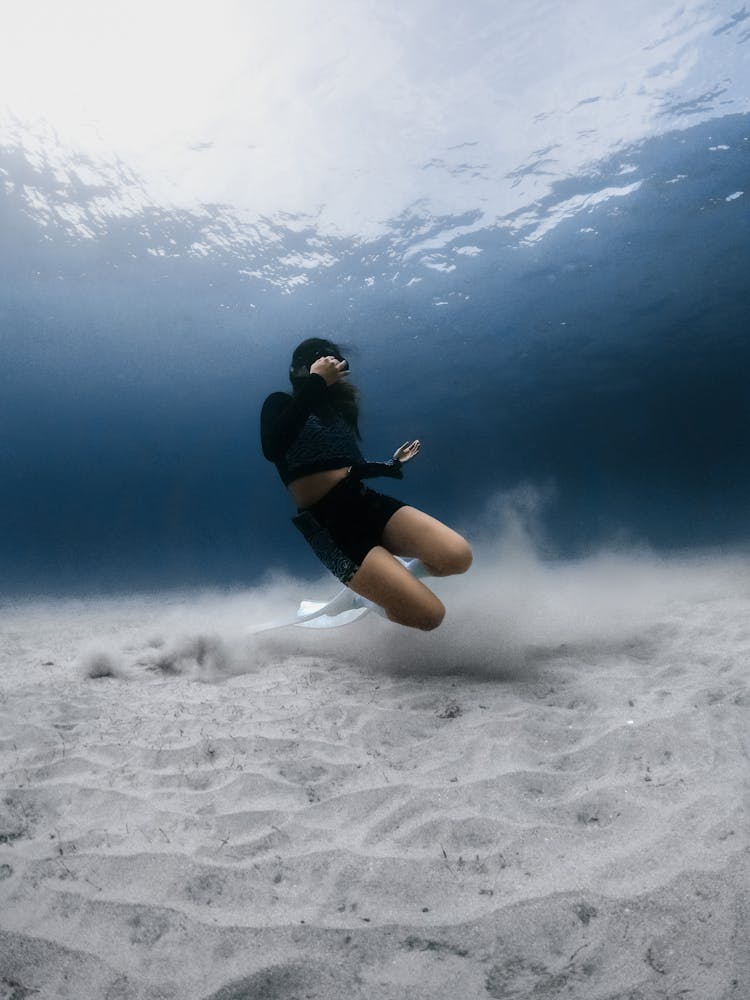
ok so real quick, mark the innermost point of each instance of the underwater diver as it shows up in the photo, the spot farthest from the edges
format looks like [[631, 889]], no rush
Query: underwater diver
[[312, 436]]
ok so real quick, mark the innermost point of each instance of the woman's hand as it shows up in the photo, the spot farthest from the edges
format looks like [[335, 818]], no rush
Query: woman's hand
[[331, 369], [407, 450]]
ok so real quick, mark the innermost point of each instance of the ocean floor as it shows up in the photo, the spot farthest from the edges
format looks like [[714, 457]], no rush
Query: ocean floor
[[547, 797]]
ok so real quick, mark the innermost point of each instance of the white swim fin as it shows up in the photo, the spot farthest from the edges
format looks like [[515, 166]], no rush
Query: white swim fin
[[343, 608]]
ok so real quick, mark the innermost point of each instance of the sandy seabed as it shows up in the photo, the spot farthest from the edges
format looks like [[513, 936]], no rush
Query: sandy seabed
[[547, 797]]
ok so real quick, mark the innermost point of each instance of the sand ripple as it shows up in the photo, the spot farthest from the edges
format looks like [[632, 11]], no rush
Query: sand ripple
[[318, 827]]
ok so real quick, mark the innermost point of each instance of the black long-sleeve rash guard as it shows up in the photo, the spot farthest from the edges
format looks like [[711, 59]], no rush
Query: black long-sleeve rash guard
[[300, 443]]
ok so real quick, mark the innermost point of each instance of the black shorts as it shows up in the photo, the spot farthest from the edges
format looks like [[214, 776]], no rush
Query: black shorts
[[343, 526]]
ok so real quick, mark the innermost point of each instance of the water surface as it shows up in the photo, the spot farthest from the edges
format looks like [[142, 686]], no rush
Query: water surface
[[530, 227]]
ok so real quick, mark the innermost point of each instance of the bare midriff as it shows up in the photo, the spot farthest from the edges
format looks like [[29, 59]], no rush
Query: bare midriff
[[309, 489]]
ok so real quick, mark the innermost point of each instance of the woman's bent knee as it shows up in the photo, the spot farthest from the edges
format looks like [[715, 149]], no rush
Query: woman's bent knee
[[454, 559], [426, 619], [432, 619], [463, 557]]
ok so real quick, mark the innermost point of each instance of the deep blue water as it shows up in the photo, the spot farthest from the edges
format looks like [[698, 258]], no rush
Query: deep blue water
[[602, 367]]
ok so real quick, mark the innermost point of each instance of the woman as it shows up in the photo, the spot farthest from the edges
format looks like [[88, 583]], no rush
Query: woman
[[312, 436]]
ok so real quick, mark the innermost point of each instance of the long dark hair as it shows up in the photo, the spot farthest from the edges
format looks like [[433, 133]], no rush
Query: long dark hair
[[342, 398]]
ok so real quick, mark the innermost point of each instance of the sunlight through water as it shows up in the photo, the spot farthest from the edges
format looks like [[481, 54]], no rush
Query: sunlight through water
[[540, 207]]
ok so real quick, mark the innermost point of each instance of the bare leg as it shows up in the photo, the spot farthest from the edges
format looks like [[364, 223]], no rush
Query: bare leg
[[406, 601], [385, 581], [410, 532]]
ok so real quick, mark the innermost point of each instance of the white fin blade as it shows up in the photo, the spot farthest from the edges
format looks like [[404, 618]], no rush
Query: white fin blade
[[310, 607], [342, 609], [334, 621]]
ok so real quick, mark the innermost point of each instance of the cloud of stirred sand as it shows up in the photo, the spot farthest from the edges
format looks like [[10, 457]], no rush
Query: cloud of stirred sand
[[512, 611]]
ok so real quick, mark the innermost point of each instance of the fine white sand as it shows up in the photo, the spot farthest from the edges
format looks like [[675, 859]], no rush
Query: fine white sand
[[547, 797]]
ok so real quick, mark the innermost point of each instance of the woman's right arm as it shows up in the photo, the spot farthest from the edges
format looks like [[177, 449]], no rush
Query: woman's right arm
[[283, 416]]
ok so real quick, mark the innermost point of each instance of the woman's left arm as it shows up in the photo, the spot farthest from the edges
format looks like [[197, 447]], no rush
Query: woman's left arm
[[392, 469]]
